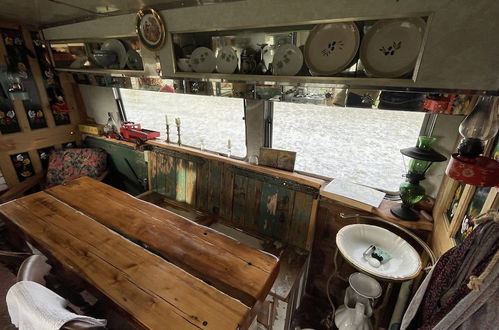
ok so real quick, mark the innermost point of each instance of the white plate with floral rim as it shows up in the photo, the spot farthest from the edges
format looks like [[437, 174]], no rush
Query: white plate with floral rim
[[227, 60], [331, 47], [288, 60], [203, 60], [391, 48]]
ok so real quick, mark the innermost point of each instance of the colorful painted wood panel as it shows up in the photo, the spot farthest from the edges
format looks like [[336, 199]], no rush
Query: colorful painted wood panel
[[181, 180], [23, 166], [58, 106], [44, 154], [300, 218], [190, 183], [8, 118], [20, 82], [253, 202]]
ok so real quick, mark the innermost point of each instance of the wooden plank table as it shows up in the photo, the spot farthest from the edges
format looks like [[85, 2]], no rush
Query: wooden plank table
[[195, 279]]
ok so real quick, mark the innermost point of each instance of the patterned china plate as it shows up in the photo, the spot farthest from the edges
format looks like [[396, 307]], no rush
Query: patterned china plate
[[390, 48], [227, 60], [117, 46], [331, 47], [203, 60], [287, 61]]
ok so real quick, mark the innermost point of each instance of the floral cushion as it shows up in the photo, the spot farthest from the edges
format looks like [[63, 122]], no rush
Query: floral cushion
[[70, 164]]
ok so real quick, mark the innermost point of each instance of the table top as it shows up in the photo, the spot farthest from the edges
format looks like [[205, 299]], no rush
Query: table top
[[194, 277]]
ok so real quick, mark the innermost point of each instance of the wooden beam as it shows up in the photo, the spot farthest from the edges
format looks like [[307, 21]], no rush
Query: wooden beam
[[40, 138]]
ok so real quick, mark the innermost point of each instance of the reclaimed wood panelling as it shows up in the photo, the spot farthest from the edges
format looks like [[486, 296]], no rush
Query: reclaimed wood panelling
[[202, 178], [252, 206], [215, 183], [250, 201], [240, 201], [190, 183], [300, 219], [268, 208], [226, 192], [181, 179], [170, 182]]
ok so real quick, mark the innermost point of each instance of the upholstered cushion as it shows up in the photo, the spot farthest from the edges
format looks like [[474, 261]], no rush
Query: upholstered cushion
[[69, 164]]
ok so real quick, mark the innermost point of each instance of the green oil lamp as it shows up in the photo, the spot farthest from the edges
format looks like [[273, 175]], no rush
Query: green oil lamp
[[411, 192]]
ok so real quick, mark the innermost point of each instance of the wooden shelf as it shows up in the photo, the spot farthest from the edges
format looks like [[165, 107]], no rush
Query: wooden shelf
[[383, 211], [105, 71]]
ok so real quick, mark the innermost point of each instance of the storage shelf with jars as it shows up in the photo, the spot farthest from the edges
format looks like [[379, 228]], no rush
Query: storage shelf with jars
[[112, 56], [362, 52]]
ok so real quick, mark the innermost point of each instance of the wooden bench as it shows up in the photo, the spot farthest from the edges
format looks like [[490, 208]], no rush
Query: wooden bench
[[289, 285]]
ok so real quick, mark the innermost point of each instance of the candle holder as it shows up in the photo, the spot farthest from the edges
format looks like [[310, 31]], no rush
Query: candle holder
[[177, 122], [167, 133]]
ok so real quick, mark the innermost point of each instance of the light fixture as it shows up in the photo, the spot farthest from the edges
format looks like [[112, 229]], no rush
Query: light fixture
[[411, 192], [468, 165]]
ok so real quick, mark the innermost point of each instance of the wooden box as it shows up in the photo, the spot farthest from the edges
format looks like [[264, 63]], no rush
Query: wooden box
[[282, 159], [93, 129]]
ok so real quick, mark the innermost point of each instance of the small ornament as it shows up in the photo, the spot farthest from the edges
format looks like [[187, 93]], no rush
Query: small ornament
[[167, 130], [177, 122], [229, 148]]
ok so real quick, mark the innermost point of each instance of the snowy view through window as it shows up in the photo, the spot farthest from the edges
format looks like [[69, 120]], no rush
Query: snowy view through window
[[360, 145]]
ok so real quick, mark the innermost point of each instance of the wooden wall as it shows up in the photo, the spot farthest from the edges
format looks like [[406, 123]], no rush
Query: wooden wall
[[253, 201], [28, 141]]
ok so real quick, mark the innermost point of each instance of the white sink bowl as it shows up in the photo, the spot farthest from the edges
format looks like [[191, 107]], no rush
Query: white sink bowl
[[354, 240]]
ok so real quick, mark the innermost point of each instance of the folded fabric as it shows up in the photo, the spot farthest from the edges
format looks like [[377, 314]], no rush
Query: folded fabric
[[34, 307]]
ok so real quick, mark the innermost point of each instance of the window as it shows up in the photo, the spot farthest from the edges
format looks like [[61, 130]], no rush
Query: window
[[356, 144], [206, 122]]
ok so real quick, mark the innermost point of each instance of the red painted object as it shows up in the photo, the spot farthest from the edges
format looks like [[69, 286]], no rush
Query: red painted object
[[480, 171], [442, 104], [135, 133]]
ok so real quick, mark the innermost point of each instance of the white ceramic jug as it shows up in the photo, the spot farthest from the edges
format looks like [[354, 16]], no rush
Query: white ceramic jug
[[355, 313]]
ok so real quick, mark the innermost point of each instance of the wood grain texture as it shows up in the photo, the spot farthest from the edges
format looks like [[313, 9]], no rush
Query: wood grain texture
[[152, 290], [242, 272], [202, 178], [240, 200], [190, 183], [215, 186], [226, 192], [181, 180], [300, 219]]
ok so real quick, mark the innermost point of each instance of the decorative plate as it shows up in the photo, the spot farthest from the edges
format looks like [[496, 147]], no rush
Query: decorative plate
[[287, 61], [134, 61], [354, 240], [150, 28], [203, 60], [227, 60], [390, 48], [331, 48], [116, 46]]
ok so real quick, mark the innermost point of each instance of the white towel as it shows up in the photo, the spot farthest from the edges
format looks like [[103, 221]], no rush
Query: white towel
[[34, 307]]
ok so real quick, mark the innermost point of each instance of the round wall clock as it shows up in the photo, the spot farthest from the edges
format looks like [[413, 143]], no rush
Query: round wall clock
[[150, 29]]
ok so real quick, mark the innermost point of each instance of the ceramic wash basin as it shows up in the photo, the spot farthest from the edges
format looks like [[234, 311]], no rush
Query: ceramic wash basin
[[354, 240]]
